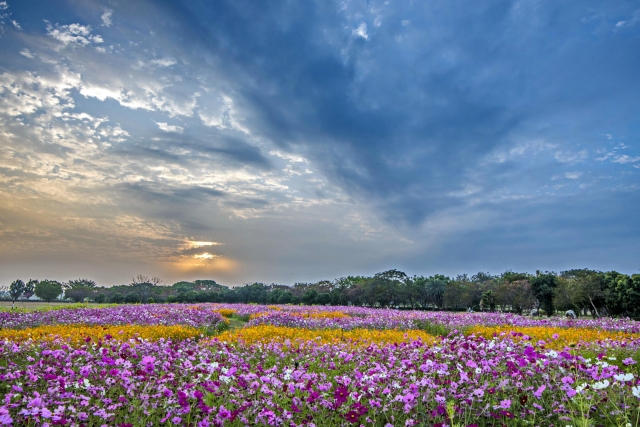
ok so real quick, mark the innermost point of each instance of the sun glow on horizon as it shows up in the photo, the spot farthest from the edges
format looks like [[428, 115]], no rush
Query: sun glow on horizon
[[200, 244], [206, 255]]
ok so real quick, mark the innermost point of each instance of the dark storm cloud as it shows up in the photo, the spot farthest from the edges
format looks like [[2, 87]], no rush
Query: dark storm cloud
[[233, 148], [151, 192], [398, 117]]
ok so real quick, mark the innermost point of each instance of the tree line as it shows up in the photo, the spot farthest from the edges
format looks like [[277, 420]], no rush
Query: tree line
[[587, 292]]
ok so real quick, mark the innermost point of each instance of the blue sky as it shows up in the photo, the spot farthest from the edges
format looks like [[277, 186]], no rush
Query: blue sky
[[297, 141]]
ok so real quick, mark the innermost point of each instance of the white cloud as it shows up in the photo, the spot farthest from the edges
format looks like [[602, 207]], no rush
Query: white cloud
[[16, 25], [169, 128], [139, 94], [361, 31], [4, 5], [571, 157], [73, 34], [164, 62], [27, 53], [623, 159], [222, 115], [25, 93], [572, 175], [629, 22], [106, 18], [519, 150]]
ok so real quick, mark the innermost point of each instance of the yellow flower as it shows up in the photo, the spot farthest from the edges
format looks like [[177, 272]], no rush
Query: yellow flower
[[226, 312], [296, 336], [307, 314], [76, 334], [553, 337]]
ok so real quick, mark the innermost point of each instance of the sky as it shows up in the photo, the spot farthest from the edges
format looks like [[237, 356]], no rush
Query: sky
[[285, 142]]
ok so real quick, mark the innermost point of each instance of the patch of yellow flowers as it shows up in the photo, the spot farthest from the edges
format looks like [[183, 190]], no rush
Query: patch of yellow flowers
[[77, 334], [556, 338], [307, 314], [226, 312], [283, 334]]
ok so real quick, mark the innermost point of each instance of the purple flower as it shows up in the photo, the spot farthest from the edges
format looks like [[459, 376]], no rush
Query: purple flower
[[352, 416], [341, 395], [538, 392]]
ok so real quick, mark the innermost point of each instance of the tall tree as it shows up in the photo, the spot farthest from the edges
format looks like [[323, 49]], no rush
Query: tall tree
[[29, 288], [543, 286], [588, 289], [435, 287], [79, 289], [15, 291], [48, 290]]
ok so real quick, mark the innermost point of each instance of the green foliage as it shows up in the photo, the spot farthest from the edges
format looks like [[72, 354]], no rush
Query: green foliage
[[80, 283], [309, 297], [16, 289], [132, 298], [116, 298], [488, 300], [629, 291], [610, 293], [433, 328], [29, 288], [48, 290], [543, 286]]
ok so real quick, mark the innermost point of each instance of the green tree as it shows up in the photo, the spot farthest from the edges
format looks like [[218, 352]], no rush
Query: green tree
[[190, 296], [323, 298], [99, 298], [628, 289], [309, 297], [116, 298], [81, 283], [132, 298], [588, 290], [488, 300], [543, 286], [48, 290], [16, 289], [614, 301], [435, 288], [29, 288], [285, 298], [78, 294], [456, 294]]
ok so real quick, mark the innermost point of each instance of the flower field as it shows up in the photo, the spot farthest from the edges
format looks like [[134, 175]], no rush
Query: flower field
[[150, 365]]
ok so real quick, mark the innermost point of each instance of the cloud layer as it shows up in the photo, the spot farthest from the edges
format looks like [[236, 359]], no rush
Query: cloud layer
[[318, 139]]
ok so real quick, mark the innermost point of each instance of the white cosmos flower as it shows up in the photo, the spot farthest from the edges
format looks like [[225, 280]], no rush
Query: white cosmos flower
[[636, 391], [601, 384], [623, 377]]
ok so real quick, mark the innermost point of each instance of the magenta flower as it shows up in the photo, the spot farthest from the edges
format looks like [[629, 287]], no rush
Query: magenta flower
[[352, 416], [341, 395]]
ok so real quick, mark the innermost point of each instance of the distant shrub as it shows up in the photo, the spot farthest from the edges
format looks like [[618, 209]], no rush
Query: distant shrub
[[132, 299]]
